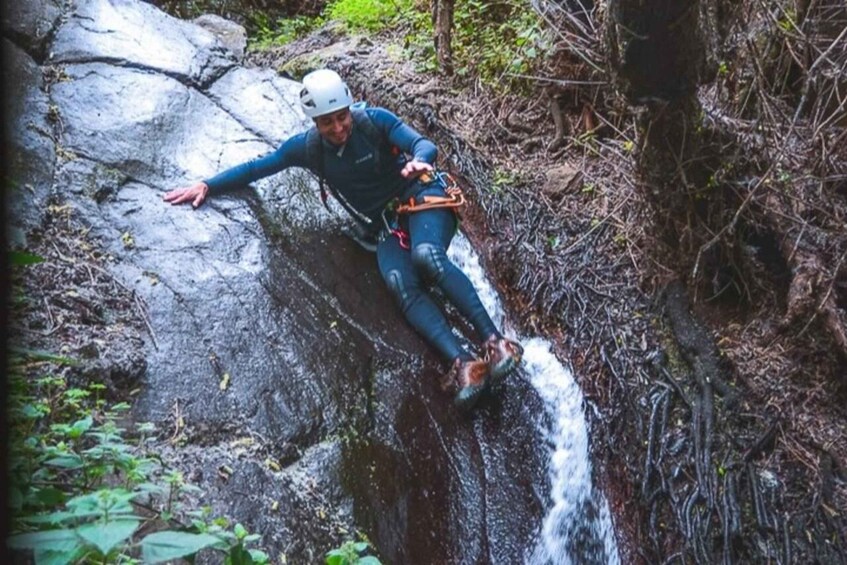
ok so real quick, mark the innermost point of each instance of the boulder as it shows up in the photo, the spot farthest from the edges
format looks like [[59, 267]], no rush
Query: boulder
[[232, 35]]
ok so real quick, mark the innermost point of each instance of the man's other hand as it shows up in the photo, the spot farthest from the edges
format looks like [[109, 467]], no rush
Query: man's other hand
[[195, 194], [414, 169]]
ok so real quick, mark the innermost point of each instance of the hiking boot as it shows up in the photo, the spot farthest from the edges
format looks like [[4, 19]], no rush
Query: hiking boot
[[502, 356], [471, 379]]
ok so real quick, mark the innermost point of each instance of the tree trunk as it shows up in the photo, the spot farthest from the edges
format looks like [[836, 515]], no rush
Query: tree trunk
[[442, 23], [659, 52]]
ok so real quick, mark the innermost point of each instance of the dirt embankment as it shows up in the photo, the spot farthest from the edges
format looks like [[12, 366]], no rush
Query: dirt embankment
[[718, 436]]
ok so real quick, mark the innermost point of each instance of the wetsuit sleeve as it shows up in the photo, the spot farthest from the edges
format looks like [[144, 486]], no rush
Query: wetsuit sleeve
[[292, 153], [403, 136]]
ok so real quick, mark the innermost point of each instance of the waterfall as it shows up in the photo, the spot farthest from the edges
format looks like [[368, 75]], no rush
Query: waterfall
[[577, 527]]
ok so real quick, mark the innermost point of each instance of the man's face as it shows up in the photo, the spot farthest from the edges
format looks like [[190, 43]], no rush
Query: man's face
[[335, 127]]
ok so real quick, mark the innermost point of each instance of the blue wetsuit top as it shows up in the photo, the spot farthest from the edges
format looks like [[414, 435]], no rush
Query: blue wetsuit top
[[350, 169]]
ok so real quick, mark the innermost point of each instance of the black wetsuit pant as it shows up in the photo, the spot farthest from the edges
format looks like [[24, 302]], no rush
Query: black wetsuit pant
[[410, 272]]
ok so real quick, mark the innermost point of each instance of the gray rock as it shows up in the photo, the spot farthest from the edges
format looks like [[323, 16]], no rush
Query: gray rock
[[30, 22], [231, 34], [136, 34], [262, 102], [149, 125], [31, 149]]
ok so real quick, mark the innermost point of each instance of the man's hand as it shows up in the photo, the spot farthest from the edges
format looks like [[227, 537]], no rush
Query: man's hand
[[195, 194], [414, 169]]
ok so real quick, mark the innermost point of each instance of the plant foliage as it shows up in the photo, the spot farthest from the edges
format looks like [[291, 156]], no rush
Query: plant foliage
[[502, 43], [368, 15], [351, 553], [81, 491], [270, 33]]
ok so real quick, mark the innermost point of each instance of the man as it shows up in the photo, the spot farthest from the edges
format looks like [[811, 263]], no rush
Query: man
[[361, 154]]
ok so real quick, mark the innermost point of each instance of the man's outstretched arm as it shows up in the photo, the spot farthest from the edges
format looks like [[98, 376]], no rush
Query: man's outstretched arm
[[290, 154]]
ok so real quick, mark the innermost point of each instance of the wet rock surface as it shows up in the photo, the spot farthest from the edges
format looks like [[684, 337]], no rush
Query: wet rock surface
[[260, 342], [30, 23]]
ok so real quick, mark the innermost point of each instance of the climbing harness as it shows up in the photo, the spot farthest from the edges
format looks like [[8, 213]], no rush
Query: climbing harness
[[366, 229], [453, 200]]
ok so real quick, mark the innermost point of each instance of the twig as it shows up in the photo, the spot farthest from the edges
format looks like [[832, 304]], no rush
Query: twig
[[142, 310], [731, 225], [562, 82], [597, 225], [809, 75], [823, 301]]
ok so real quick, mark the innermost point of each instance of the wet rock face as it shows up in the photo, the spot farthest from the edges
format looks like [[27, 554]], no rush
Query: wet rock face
[[30, 23], [268, 335], [32, 151], [231, 34]]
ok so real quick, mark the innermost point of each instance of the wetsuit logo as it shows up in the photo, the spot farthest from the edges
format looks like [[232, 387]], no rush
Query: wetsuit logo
[[367, 157]]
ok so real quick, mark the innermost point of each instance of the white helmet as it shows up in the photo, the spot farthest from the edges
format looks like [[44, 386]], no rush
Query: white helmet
[[323, 93]]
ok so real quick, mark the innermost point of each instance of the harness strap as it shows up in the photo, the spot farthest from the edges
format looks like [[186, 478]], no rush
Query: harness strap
[[454, 198], [315, 155]]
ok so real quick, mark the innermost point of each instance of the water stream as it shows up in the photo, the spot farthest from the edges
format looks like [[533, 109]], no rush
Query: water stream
[[577, 527]]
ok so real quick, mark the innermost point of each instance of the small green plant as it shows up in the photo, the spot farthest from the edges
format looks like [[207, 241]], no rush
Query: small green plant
[[503, 179], [500, 42], [75, 479], [20, 258], [367, 15], [282, 31], [351, 553]]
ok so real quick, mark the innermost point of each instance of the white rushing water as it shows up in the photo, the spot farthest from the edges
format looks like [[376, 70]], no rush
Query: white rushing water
[[577, 527]]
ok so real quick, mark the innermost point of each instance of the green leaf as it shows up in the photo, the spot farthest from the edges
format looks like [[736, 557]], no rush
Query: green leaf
[[240, 531], [163, 546], [50, 496], [238, 556], [69, 461], [149, 488], [52, 518], [368, 560], [360, 546], [52, 557], [80, 427], [24, 258], [106, 536], [60, 429], [259, 557], [33, 411], [334, 559], [53, 540], [98, 503]]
